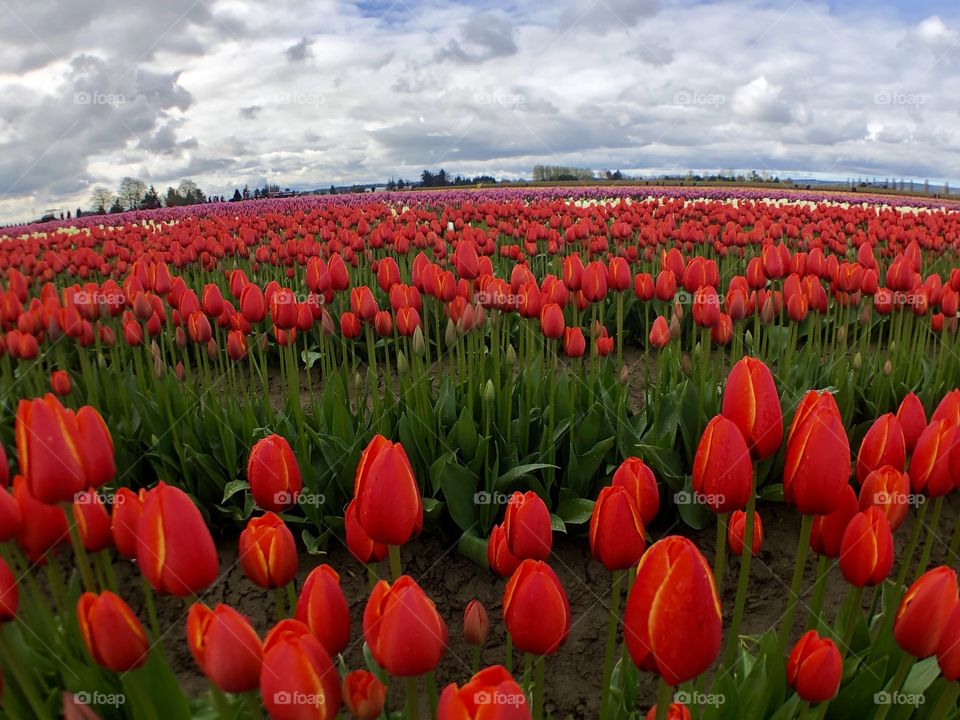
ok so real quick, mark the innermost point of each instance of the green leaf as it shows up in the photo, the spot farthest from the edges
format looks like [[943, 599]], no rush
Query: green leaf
[[506, 481], [557, 524], [575, 511], [232, 488]]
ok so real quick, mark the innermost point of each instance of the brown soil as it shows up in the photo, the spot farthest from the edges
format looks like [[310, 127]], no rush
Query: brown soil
[[574, 673]]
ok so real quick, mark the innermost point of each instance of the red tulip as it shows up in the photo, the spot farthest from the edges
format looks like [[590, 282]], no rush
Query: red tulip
[[225, 647], [236, 345], [888, 488], [323, 608], [49, 450], [737, 531], [948, 647], [92, 521], [60, 383], [924, 610], [10, 518], [273, 474], [42, 527], [866, 550], [111, 632], [814, 668], [672, 620], [722, 471], [476, 624], [175, 551], [817, 465], [268, 553], [389, 505], [593, 282], [403, 629], [659, 333], [253, 305], [617, 537], [283, 309], [9, 593], [125, 520], [358, 542], [912, 418], [362, 303], [751, 401], [640, 481], [676, 711], [499, 558], [574, 344], [364, 695], [948, 409], [349, 325], [930, 464], [298, 681], [551, 321], [491, 694], [535, 609], [827, 532], [527, 526], [883, 444]]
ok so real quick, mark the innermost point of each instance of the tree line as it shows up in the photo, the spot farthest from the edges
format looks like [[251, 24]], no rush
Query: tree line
[[134, 194]]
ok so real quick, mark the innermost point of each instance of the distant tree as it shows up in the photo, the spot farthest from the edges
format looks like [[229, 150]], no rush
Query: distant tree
[[401, 184], [130, 192], [190, 192], [117, 206], [151, 199], [391, 184], [333, 190], [246, 193], [100, 200], [427, 179], [237, 197], [256, 193], [172, 198], [442, 178]]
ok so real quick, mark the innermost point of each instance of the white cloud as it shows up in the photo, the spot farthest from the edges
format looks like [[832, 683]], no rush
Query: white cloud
[[378, 89]]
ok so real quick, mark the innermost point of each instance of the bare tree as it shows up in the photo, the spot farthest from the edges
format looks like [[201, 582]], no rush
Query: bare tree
[[131, 192], [100, 199]]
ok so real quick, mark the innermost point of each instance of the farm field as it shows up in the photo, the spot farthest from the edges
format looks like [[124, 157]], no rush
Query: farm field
[[566, 452]]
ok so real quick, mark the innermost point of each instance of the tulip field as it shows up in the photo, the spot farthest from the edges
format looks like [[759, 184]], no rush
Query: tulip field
[[572, 453]]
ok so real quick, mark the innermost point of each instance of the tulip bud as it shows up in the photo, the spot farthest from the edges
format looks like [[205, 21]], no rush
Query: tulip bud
[[296, 665], [268, 553], [640, 481], [484, 697], [817, 464], [60, 383], [527, 526], [737, 532], [225, 647], [924, 610], [912, 418], [535, 609], [476, 625], [722, 471], [323, 608], [866, 550], [857, 361], [814, 668], [499, 558], [489, 392], [511, 356], [364, 695], [389, 505], [751, 401], [273, 474], [686, 365], [419, 345], [450, 335], [111, 632], [175, 551], [672, 620], [403, 629], [617, 537], [402, 365]]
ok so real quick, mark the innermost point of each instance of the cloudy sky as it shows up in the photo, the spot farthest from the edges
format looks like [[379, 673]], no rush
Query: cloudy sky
[[306, 93]]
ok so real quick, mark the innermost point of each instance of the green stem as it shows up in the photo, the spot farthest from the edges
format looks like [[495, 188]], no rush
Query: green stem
[[83, 560], [911, 546], [947, 701], [819, 591], [413, 699], [854, 600], [803, 549], [252, 701], [432, 691], [151, 610], [743, 581], [895, 684], [612, 623], [538, 683], [280, 603], [664, 699], [19, 671], [476, 659], [395, 568]]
